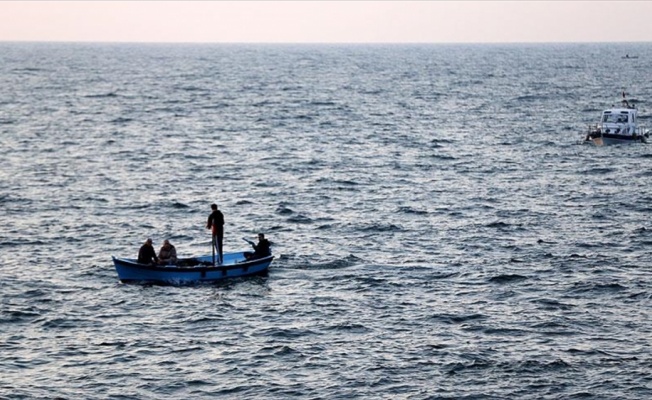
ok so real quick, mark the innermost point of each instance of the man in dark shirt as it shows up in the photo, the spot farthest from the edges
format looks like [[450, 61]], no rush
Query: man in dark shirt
[[261, 249], [216, 224], [146, 254]]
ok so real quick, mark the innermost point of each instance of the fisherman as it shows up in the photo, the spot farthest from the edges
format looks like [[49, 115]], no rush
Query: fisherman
[[261, 249], [167, 254], [216, 224], [146, 254]]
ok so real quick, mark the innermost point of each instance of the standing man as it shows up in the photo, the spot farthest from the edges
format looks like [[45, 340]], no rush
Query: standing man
[[216, 223]]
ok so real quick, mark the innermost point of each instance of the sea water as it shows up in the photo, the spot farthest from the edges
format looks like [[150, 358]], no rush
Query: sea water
[[439, 232]]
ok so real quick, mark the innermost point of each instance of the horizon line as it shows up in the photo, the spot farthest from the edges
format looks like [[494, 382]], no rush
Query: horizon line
[[314, 43]]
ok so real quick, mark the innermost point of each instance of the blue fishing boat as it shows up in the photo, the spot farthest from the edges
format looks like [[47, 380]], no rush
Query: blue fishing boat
[[191, 270]]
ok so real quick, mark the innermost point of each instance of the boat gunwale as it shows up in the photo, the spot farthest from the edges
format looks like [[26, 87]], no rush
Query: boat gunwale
[[205, 268]]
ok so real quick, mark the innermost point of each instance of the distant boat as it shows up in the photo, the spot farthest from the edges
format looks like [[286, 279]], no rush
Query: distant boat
[[191, 270], [618, 125], [627, 56]]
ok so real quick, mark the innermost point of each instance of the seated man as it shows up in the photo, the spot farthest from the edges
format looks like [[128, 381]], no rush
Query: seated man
[[261, 249], [168, 254], [146, 254]]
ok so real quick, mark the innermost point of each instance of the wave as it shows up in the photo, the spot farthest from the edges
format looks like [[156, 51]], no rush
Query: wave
[[101, 95], [456, 319], [284, 210], [121, 120], [179, 205], [552, 304], [299, 219], [378, 227], [410, 210], [507, 278], [599, 288], [499, 225], [304, 262]]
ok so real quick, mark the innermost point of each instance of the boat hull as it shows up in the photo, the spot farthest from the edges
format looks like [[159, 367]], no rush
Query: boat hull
[[235, 265], [606, 139]]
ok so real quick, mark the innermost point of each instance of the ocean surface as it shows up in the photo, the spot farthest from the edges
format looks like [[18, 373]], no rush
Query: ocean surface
[[439, 231]]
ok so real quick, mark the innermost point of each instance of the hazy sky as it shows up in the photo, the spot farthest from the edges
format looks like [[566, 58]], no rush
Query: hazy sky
[[327, 21]]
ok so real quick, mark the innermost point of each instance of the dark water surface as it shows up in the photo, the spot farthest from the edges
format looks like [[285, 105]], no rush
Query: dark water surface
[[439, 232]]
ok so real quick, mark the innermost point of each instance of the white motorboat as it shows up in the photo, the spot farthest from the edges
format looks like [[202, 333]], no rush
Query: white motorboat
[[618, 125]]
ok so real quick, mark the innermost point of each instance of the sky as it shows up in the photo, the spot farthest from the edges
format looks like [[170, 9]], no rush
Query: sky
[[303, 21]]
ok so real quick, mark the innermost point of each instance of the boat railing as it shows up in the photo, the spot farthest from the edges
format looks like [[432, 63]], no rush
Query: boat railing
[[639, 130], [593, 128]]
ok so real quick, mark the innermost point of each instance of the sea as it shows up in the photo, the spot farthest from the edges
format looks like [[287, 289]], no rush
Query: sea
[[439, 229]]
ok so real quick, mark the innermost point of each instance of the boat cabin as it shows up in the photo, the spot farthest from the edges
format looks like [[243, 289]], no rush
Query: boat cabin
[[619, 120]]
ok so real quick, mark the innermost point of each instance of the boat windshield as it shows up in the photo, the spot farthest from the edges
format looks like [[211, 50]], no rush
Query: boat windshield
[[614, 118]]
